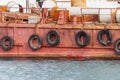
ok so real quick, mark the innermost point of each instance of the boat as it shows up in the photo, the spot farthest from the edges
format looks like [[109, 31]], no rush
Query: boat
[[59, 35]]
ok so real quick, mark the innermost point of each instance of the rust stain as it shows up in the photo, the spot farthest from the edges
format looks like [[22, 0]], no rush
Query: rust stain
[[78, 2]]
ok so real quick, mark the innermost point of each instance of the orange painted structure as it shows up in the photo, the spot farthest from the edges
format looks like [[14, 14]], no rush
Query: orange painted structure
[[66, 47]]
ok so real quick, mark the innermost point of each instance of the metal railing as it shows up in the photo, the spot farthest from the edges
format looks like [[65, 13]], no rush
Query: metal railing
[[105, 12]]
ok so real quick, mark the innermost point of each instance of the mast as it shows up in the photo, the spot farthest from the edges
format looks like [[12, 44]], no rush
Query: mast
[[27, 5]]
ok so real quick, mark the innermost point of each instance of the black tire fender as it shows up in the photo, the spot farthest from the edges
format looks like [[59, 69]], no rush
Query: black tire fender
[[109, 37], [39, 42], [79, 35], [9, 40], [116, 43], [49, 36]]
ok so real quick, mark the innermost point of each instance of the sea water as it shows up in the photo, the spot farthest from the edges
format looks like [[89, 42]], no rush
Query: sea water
[[59, 70]]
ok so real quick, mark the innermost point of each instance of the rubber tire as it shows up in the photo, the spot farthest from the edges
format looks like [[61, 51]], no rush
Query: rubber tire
[[116, 46], [80, 34], [109, 37], [48, 38], [3, 46], [31, 45]]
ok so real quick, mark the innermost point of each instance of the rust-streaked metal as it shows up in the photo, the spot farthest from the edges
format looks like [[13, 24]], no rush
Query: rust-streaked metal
[[67, 48]]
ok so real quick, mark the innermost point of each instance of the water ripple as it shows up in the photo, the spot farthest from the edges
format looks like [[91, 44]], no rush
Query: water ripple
[[59, 70]]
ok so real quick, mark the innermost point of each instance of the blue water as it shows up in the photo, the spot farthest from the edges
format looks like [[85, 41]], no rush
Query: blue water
[[59, 70]]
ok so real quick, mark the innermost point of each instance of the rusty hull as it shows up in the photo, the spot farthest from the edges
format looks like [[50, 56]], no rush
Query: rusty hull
[[67, 48]]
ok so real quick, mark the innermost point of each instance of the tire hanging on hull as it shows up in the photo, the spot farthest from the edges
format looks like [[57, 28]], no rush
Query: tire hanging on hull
[[6, 43], [38, 43], [53, 34], [81, 34], [116, 46], [100, 35]]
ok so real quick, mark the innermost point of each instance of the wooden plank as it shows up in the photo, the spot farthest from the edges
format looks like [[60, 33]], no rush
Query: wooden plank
[[15, 16]]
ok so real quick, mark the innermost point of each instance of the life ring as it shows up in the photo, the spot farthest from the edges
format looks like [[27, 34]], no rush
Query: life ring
[[6, 42], [116, 48], [81, 34], [32, 39], [100, 35], [53, 38], [12, 6]]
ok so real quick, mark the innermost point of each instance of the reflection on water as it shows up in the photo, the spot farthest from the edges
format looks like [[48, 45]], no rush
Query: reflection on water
[[59, 70]]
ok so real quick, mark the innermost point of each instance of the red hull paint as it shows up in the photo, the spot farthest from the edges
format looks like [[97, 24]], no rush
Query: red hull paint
[[67, 47]]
